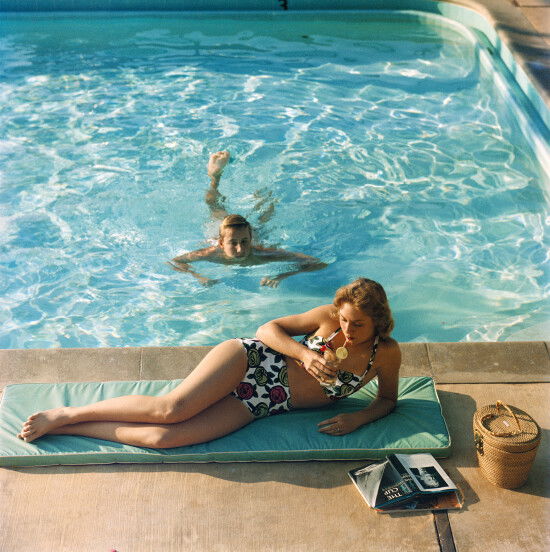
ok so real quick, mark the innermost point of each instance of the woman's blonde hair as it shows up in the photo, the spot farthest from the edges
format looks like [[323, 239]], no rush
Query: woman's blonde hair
[[234, 221], [370, 297]]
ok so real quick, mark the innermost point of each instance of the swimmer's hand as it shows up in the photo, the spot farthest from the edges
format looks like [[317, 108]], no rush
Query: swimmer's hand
[[184, 267], [341, 424], [207, 282], [268, 281], [318, 367], [305, 264]]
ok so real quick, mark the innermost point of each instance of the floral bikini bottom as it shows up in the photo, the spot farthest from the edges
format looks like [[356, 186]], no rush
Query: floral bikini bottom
[[264, 389]]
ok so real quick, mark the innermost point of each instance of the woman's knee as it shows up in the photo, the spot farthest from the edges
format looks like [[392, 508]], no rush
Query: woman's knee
[[171, 410], [165, 437], [229, 349], [203, 387]]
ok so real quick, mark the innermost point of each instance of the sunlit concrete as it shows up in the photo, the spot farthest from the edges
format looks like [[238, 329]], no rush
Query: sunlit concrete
[[295, 506]]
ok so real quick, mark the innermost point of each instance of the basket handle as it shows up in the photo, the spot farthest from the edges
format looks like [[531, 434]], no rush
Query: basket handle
[[499, 405]]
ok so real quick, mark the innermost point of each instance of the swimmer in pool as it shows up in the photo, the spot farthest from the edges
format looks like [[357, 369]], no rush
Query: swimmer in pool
[[235, 244]]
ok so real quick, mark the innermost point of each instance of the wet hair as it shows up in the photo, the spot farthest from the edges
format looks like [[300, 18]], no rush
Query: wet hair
[[368, 296], [234, 221]]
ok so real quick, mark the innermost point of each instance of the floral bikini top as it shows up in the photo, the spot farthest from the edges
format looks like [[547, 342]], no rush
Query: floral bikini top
[[346, 383]]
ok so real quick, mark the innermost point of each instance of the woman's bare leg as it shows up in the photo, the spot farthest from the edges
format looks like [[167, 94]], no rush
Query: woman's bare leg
[[218, 373], [222, 418]]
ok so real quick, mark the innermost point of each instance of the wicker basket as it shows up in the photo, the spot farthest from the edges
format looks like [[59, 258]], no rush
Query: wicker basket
[[506, 440]]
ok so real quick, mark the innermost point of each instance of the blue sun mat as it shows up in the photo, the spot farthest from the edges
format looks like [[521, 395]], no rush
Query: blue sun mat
[[416, 425]]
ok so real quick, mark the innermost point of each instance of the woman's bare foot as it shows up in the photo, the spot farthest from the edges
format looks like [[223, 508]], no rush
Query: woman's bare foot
[[217, 163], [43, 422]]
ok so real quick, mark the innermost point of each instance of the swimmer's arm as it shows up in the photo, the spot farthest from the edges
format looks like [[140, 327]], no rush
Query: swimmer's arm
[[274, 281], [306, 263], [382, 405], [181, 263]]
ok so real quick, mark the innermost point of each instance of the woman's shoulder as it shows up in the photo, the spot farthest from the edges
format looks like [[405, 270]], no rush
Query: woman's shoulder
[[327, 310], [321, 313], [388, 343], [316, 321], [325, 315], [389, 349]]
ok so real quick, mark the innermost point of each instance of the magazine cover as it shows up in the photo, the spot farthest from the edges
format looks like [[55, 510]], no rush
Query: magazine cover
[[405, 482], [440, 501]]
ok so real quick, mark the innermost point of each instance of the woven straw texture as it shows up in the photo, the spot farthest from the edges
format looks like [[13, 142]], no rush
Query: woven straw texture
[[506, 440]]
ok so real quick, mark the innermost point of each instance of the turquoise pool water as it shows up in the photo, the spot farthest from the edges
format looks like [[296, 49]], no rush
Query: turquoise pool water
[[385, 142]]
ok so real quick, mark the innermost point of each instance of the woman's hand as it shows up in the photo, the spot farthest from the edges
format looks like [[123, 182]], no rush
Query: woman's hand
[[323, 370], [341, 424]]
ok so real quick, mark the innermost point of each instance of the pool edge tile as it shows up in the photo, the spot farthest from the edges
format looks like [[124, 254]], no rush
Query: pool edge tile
[[415, 360], [490, 362], [61, 365], [170, 362]]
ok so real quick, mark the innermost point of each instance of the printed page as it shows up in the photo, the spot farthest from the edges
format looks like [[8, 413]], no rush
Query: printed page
[[367, 480], [426, 472], [394, 486]]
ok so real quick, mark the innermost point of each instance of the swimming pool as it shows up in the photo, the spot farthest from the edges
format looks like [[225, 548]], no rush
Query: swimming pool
[[386, 142]]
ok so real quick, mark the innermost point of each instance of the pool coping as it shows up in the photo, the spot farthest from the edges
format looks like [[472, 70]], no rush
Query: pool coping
[[518, 23], [446, 363], [516, 35]]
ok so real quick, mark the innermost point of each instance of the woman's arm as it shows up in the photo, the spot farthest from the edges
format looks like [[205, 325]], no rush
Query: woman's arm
[[278, 333], [388, 382]]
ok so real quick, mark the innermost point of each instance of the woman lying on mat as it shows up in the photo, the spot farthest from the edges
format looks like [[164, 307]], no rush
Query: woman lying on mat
[[346, 345]]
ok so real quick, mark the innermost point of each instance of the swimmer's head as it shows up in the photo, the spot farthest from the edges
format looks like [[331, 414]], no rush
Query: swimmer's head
[[369, 297], [235, 237]]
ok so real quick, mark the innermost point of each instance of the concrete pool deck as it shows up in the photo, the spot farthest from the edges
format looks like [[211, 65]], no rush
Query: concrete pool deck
[[293, 506], [524, 26]]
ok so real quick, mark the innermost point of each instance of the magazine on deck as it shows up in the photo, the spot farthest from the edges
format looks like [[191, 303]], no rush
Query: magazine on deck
[[405, 482]]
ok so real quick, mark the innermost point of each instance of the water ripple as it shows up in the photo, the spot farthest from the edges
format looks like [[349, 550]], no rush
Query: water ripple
[[384, 148]]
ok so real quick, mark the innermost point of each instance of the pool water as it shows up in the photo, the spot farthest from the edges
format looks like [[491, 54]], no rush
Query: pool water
[[383, 142]]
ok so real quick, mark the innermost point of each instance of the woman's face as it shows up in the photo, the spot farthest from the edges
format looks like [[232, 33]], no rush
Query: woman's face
[[357, 326]]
